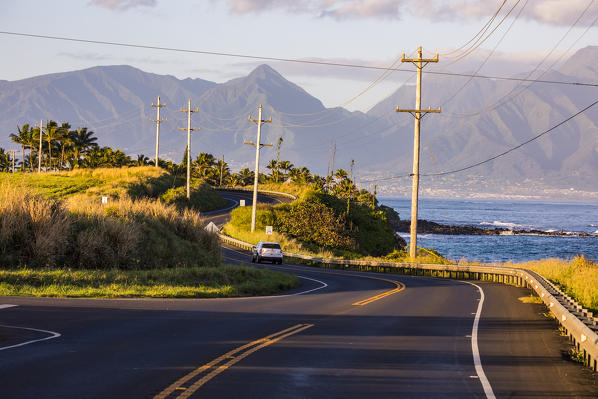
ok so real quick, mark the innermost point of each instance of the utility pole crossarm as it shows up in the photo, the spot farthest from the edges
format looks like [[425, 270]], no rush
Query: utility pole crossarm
[[261, 145], [420, 113], [419, 62]]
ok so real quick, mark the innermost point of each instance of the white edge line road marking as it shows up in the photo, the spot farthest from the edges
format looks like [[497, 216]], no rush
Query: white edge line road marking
[[52, 336], [324, 285], [477, 361], [7, 306]]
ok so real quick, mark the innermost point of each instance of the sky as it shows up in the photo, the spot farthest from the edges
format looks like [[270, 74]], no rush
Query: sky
[[366, 32]]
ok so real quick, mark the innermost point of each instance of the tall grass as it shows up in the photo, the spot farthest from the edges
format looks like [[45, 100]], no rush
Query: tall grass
[[83, 233], [33, 229], [578, 277]]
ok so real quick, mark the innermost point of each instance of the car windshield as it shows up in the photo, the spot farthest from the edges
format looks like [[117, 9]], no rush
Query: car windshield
[[271, 245]]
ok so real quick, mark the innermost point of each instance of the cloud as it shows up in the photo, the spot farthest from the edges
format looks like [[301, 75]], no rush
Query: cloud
[[121, 5], [553, 12]]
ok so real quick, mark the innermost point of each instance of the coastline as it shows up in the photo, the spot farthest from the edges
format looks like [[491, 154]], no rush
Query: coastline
[[427, 227]]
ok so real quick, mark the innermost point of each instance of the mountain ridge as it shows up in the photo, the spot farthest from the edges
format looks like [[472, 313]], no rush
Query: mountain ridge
[[115, 102]]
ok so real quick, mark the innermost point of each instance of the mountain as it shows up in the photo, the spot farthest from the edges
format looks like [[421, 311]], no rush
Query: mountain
[[480, 118], [114, 101], [468, 131]]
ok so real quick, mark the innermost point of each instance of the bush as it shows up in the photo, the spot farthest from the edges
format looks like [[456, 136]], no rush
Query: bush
[[313, 223]]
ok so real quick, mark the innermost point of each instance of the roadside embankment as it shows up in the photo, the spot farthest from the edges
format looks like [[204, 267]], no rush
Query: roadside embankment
[[61, 239]]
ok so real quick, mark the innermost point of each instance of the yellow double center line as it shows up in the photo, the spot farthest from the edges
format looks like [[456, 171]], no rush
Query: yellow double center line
[[220, 364], [400, 287]]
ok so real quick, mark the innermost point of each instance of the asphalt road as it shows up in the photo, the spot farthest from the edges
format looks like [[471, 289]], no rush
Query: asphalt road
[[340, 335]]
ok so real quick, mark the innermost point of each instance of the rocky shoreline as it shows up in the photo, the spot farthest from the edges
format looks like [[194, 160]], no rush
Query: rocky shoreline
[[427, 227]]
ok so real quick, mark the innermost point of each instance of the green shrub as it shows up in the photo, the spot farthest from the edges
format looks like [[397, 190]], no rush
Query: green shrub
[[313, 223]]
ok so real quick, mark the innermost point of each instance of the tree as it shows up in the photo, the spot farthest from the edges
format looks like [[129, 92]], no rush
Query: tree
[[245, 176], [286, 166], [223, 171], [203, 164], [64, 142], [83, 142], [273, 166], [53, 132], [22, 137], [341, 174], [4, 161], [142, 160]]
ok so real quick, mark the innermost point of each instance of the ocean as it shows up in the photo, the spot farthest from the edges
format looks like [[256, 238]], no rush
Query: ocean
[[511, 214]]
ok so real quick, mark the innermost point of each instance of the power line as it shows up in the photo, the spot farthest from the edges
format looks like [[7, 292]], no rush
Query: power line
[[480, 32], [481, 40], [504, 99], [293, 60], [494, 157], [489, 55]]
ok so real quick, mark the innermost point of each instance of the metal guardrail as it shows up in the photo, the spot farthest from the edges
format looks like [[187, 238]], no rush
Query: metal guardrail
[[578, 323]]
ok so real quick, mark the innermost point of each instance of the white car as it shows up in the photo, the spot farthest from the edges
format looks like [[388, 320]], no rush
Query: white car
[[266, 251]]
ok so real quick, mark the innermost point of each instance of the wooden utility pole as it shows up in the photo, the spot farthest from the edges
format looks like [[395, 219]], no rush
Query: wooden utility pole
[[258, 145], [13, 153], [221, 170], [158, 120], [278, 156], [189, 111], [333, 157], [418, 114], [39, 155]]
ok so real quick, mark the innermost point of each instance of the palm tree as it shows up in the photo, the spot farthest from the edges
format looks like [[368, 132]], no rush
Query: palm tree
[[305, 175], [35, 146], [245, 176], [142, 160], [4, 161], [295, 174], [286, 166], [21, 137], [203, 163], [223, 170], [83, 142], [53, 132], [273, 166], [64, 142], [341, 174]]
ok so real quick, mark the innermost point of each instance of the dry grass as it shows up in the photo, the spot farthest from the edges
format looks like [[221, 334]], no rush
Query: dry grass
[[81, 232], [578, 277], [530, 299], [32, 228]]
